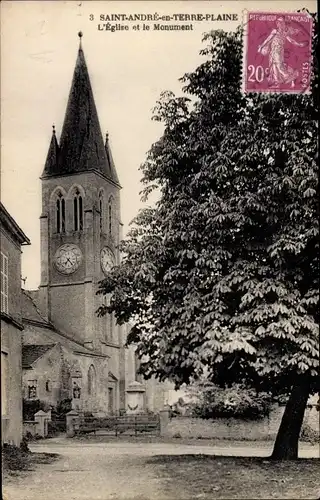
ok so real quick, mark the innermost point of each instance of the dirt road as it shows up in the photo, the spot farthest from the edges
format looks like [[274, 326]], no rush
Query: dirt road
[[104, 471]]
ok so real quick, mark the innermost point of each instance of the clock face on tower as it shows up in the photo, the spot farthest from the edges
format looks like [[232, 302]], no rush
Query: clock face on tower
[[68, 258], [107, 260]]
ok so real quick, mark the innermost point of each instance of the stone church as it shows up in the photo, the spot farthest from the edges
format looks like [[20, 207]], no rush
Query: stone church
[[68, 351]]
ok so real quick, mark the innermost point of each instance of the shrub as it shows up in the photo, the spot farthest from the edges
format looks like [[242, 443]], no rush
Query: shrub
[[233, 402], [32, 406], [64, 406], [14, 458]]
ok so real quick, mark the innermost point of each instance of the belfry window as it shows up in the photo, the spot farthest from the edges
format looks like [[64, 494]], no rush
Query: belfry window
[[60, 214], [101, 210], [77, 211], [110, 215]]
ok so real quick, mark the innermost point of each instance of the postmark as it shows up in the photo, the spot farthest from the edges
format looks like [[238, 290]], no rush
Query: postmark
[[277, 52]]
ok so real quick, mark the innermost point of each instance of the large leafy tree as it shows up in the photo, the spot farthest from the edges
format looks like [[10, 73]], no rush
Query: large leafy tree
[[220, 276]]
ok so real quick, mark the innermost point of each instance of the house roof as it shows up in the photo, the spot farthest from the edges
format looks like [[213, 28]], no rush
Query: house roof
[[32, 352], [81, 146], [29, 309], [10, 224]]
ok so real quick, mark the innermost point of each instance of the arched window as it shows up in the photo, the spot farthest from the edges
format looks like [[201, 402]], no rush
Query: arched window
[[60, 214], [107, 320], [101, 210], [91, 380], [77, 211], [110, 317], [110, 215]]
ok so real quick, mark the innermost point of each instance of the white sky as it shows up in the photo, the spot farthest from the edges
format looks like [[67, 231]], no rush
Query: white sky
[[128, 70]]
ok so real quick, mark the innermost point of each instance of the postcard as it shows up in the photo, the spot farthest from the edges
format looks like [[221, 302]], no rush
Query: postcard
[[114, 111]]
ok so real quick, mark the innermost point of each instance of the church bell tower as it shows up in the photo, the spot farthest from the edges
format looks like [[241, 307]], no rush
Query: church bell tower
[[80, 220]]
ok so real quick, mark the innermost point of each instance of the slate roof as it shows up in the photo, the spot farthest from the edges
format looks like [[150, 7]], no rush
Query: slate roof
[[81, 146], [29, 309], [32, 352], [51, 165]]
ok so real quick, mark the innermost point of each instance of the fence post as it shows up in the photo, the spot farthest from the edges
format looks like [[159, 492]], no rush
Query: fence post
[[72, 419], [41, 419], [164, 421]]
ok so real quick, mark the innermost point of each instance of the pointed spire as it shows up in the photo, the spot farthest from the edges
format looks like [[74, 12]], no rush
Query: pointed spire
[[81, 143], [51, 165]]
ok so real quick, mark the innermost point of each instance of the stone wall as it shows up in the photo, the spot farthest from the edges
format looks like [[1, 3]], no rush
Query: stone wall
[[235, 429], [46, 371], [11, 386], [11, 327], [29, 427], [312, 416], [55, 372]]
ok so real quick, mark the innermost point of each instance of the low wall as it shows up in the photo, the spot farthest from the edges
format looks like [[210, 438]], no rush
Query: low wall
[[235, 429], [29, 427], [312, 417]]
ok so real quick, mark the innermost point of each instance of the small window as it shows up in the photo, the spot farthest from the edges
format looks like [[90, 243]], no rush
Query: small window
[[48, 386], [4, 283], [77, 211], [32, 389], [60, 214]]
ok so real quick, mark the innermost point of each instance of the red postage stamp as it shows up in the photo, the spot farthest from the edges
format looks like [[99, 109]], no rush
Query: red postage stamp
[[277, 52]]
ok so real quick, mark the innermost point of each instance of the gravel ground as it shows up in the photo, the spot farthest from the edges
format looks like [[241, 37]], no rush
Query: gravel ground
[[118, 470]]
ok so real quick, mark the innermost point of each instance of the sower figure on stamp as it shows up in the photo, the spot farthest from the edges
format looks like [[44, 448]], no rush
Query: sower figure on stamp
[[279, 71]]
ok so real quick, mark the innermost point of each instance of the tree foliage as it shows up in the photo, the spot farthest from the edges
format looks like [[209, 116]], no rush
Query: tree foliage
[[237, 401], [220, 276]]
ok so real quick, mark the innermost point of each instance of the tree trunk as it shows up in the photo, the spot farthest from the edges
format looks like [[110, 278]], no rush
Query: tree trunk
[[287, 440]]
